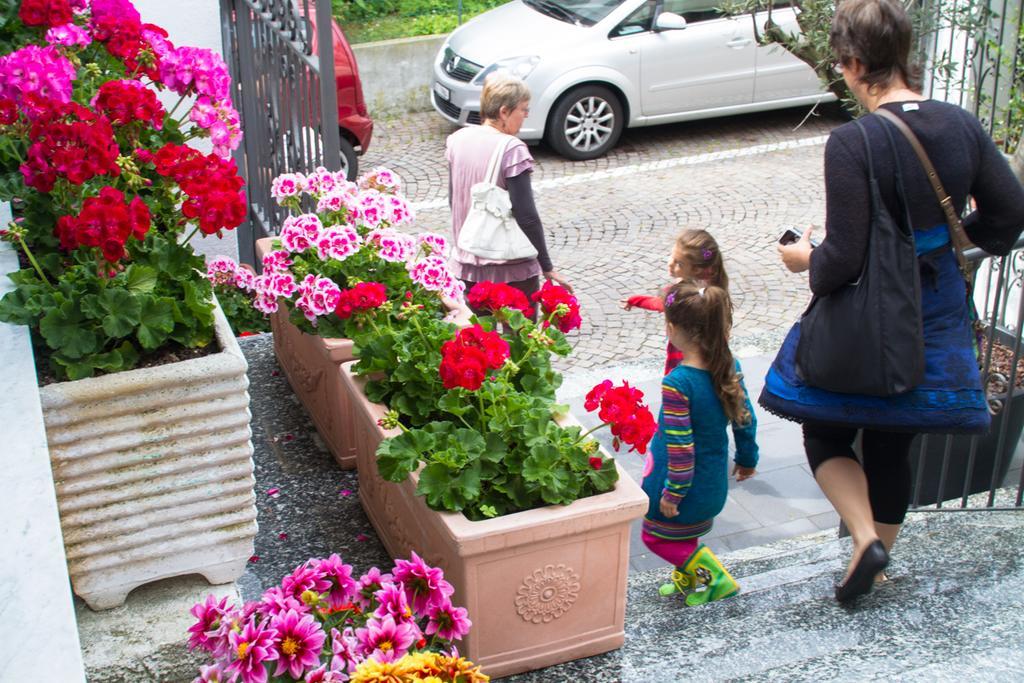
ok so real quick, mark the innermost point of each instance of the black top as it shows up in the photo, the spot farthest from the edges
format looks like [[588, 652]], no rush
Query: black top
[[966, 160], [524, 210]]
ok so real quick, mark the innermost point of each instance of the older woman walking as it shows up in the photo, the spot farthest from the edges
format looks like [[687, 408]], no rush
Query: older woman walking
[[504, 105], [871, 40]]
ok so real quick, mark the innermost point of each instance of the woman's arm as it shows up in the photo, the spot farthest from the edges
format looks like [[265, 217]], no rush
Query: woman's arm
[[524, 210], [997, 222]]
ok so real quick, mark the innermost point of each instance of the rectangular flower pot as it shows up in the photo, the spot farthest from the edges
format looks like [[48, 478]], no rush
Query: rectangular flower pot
[[310, 363], [153, 471], [542, 586]]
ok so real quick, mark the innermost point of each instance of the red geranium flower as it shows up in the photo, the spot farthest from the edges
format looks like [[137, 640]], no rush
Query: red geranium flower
[[105, 222], [45, 12], [623, 408], [560, 306], [72, 141], [364, 296], [466, 359], [495, 296]]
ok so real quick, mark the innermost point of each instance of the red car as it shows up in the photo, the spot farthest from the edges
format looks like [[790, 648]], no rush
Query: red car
[[356, 127]]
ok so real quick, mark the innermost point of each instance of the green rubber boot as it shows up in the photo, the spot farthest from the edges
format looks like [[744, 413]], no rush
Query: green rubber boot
[[681, 583], [711, 580]]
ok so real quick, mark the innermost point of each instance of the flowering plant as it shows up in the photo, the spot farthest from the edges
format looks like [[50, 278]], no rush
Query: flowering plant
[[235, 287], [323, 624], [429, 667], [491, 447], [330, 266], [107, 187]]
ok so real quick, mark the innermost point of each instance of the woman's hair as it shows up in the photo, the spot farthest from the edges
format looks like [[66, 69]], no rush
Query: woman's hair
[[501, 89], [702, 255], [704, 315], [877, 33]]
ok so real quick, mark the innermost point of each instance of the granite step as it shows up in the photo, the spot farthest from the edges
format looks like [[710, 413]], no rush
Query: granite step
[[954, 610]]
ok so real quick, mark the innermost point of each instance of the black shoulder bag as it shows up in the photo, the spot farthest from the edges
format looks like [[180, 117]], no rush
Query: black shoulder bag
[[866, 337]]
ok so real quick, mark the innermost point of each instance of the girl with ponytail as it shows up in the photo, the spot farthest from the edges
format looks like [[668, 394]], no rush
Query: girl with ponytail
[[686, 475]]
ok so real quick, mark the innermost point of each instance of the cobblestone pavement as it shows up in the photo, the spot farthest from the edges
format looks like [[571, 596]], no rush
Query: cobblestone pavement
[[611, 222]]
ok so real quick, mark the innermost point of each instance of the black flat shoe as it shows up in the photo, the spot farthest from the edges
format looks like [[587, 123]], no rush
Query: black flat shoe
[[862, 579]]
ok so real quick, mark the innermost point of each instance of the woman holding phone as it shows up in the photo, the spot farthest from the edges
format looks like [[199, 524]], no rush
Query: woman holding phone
[[871, 41]]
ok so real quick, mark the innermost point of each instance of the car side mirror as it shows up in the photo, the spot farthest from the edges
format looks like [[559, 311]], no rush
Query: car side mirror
[[669, 21]]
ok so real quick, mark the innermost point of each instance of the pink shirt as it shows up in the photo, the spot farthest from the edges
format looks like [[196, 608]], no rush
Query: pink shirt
[[468, 151]]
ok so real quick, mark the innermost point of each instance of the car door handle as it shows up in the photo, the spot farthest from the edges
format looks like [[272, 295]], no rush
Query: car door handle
[[737, 43]]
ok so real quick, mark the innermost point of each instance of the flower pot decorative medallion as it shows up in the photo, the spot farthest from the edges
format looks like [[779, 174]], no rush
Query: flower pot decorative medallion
[[543, 586], [311, 365], [153, 471]]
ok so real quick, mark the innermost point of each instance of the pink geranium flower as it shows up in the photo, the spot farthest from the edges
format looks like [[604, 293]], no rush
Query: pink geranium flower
[[336, 582], [203, 634], [447, 621], [431, 273], [251, 647], [385, 640], [276, 261], [300, 638], [423, 584]]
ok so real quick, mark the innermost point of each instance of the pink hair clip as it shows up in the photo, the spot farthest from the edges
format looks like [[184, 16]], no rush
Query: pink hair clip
[[669, 299], [707, 254]]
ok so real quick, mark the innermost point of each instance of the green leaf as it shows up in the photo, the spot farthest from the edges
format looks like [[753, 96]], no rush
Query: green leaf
[[156, 320], [121, 312], [399, 456], [141, 279], [199, 302], [65, 331]]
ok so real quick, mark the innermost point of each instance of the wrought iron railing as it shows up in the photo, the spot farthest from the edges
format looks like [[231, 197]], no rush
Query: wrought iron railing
[[281, 56], [984, 471]]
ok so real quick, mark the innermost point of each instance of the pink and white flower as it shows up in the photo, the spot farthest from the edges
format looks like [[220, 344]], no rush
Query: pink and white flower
[[317, 296], [398, 210], [276, 261], [287, 185], [300, 638], [455, 290], [320, 182], [299, 233], [432, 244], [337, 242], [391, 245], [221, 270], [273, 284], [431, 273], [385, 640], [423, 584], [245, 279], [372, 209], [381, 179]]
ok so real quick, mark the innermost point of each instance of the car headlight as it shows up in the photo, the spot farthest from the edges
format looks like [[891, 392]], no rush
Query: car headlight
[[521, 67]]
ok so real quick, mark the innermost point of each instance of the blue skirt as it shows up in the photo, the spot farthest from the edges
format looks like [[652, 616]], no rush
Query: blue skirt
[[949, 400]]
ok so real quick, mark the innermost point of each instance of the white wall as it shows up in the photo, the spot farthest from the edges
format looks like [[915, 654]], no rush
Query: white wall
[[195, 23]]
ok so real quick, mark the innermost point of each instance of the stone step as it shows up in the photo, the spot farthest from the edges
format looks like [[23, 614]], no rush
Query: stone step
[[954, 610]]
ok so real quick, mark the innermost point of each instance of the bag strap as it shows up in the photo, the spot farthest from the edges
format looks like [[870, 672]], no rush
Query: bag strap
[[957, 236], [494, 164]]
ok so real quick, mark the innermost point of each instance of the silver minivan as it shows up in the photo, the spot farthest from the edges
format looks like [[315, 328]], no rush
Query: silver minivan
[[595, 67]]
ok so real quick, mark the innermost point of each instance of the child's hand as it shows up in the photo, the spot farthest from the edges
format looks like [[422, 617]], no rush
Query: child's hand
[[626, 306], [668, 509], [742, 472]]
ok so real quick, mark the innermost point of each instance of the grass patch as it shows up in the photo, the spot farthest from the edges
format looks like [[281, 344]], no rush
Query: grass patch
[[370, 20]]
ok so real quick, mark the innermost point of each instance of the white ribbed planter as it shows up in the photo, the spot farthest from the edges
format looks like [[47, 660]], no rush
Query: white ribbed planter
[[154, 474]]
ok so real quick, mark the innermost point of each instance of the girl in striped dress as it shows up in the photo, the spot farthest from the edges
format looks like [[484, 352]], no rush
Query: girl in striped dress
[[687, 470]]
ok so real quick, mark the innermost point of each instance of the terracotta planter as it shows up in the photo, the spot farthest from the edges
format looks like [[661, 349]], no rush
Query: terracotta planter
[[311, 365], [542, 587], [153, 471]]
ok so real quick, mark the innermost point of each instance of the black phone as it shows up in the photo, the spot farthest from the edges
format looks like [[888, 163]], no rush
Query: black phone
[[791, 236]]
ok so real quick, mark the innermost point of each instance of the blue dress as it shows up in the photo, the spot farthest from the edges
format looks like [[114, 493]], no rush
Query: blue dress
[[693, 439], [949, 400]]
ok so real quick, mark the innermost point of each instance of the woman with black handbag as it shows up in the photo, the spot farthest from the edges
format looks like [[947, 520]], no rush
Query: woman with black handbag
[[912, 366]]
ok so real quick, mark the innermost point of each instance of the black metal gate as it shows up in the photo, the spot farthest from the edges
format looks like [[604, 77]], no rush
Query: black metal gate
[[281, 56]]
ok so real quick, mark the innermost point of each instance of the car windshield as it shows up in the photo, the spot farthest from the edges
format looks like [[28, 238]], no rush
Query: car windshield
[[585, 12]]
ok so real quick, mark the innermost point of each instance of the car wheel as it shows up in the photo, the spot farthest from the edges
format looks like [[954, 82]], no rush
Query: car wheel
[[586, 123], [349, 160]]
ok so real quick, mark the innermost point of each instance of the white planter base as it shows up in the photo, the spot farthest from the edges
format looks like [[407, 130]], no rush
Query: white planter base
[[154, 474]]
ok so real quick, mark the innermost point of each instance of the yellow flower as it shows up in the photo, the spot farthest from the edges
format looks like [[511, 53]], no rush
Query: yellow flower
[[372, 671], [462, 670], [420, 664]]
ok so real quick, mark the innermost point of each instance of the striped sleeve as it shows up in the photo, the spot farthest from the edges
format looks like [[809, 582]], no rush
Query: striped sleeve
[[678, 441]]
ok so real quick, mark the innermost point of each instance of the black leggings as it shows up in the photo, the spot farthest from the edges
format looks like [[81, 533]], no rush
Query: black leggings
[[886, 463]]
